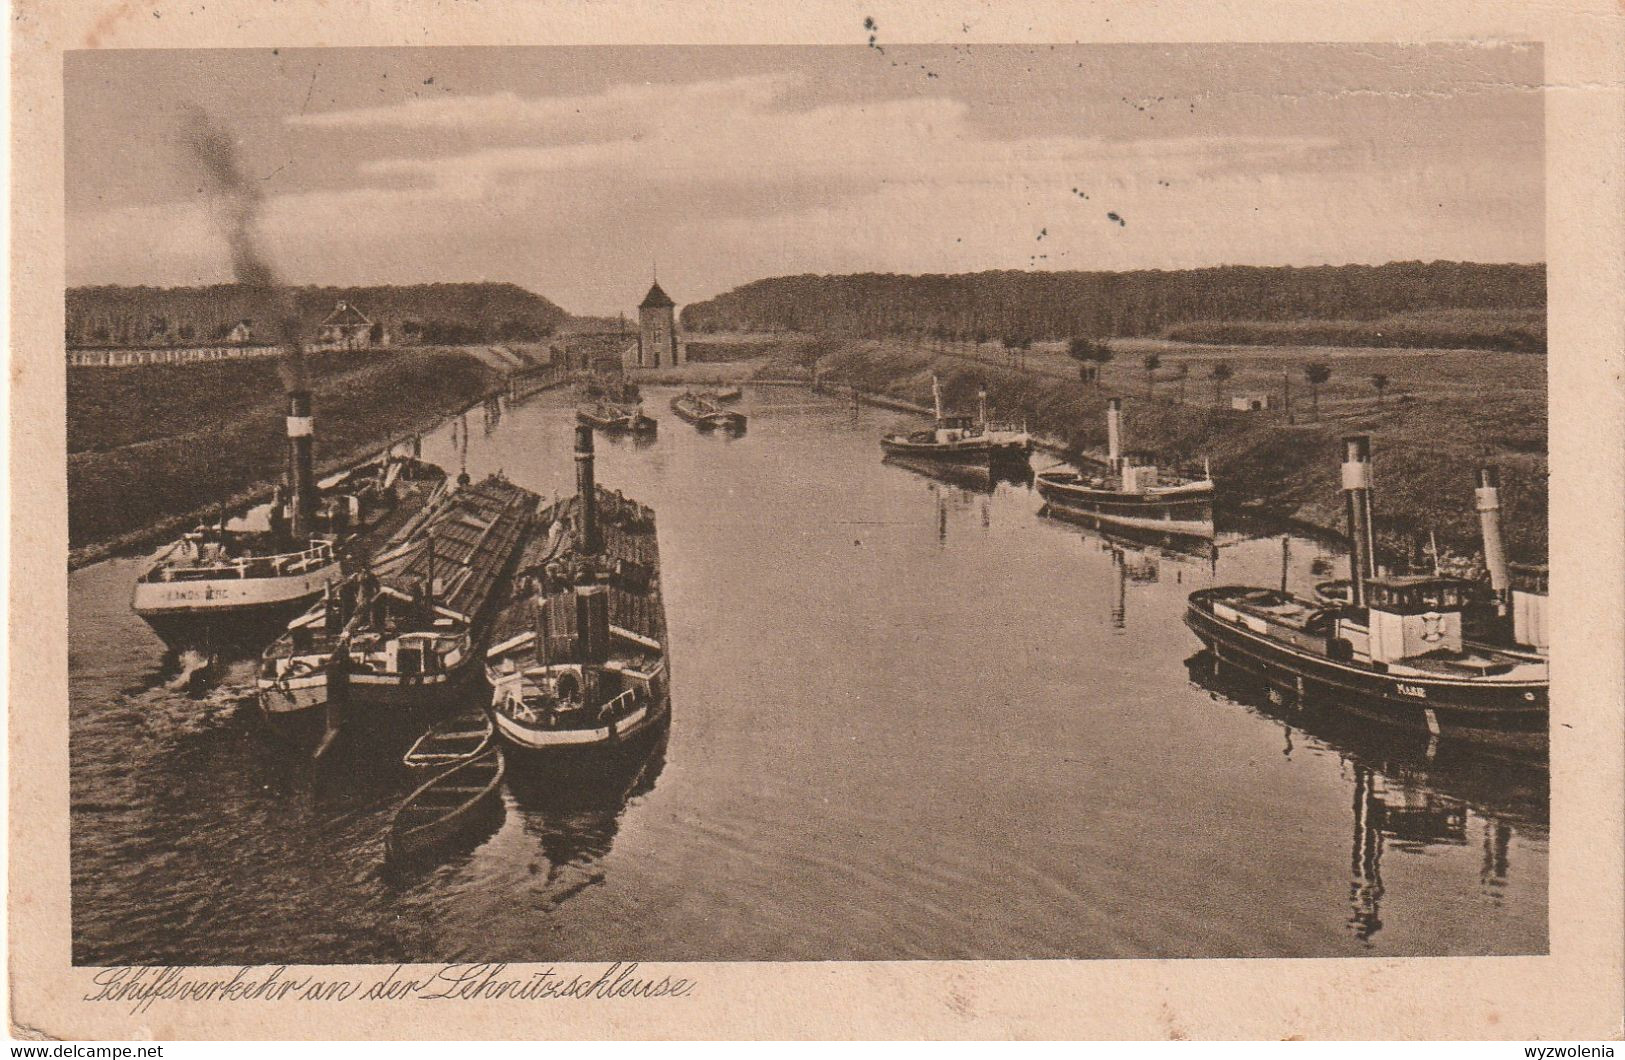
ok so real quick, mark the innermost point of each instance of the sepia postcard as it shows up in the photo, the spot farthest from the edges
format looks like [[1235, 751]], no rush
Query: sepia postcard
[[908, 521]]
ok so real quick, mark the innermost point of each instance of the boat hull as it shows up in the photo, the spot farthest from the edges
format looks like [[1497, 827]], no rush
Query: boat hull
[[296, 707], [1187, 514], [216, 612], [976, 453], [1508, 717], [523, 739]]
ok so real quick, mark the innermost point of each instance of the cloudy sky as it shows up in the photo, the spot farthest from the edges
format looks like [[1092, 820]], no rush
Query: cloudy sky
[[570, 170]]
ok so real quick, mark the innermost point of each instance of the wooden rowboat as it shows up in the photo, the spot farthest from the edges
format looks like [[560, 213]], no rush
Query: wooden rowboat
[[449, 807], [450, 743]]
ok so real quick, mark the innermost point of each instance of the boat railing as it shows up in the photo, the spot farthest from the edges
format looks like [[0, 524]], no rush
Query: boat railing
[[244, 567]]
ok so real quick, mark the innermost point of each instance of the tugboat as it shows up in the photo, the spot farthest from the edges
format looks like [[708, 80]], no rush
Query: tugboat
[[405, 632], [578, 661], [1395, 653], [1131, 491], [218, 586], [960, 439], [705, 414], [608, 416]]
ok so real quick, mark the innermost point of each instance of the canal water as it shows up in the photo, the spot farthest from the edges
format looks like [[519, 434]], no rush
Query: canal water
[[911, 719]]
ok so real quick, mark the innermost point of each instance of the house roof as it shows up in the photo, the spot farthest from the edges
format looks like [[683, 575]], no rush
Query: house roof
[[345, 315], [656, 299]]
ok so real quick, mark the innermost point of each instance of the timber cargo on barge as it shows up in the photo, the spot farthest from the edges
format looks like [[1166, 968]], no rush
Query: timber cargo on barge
[[405, 632], [1395, 654], [704, 414], [578, 657], [613, 418]]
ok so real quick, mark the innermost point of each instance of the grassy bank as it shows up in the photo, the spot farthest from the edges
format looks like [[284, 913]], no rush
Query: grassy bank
[[1460, 411], [150, 447]]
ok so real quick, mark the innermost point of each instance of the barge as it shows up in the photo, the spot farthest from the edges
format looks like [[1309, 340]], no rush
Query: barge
[[705, 414], [405, 632], [578, 657], [611, 417]]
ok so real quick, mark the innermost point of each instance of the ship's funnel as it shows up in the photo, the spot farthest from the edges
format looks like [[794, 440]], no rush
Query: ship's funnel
[[301, 466], [936, 398], [1357, 497], [1114, 432], [1487, 499], [586, 491], [981, 405], [592, 623]]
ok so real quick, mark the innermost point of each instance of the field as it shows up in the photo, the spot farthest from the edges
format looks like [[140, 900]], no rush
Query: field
[[1442, 413], [151, 445]]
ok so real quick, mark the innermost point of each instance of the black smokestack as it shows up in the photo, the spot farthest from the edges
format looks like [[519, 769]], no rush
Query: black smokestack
[[586, 492], [237, 201]]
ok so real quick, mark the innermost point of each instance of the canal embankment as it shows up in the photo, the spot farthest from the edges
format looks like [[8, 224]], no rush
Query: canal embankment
[[1429, 437], [153, 450]]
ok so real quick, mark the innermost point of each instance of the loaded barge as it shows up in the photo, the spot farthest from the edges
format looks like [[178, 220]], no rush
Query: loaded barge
[[1395, 653], [1131, 491], [578, 656], [405, 631], [705, 414]]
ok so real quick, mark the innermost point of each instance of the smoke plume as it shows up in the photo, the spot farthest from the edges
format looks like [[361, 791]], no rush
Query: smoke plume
[[237, 201]]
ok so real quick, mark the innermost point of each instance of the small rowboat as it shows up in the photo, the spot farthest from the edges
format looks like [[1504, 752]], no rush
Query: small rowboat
[[450, 743], [449, 807]]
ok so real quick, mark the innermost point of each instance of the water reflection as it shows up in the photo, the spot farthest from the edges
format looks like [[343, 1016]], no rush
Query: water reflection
[[572, 808], [1409, 794]]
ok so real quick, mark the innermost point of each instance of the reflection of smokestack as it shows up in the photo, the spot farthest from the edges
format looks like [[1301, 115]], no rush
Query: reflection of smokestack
[[301, 468], [1357, 496], [1488, 498], [586, 491], [1114, 433]]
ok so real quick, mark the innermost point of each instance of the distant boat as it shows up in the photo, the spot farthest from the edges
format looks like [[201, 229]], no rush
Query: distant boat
[[578, 659], [406, 631], [447, 809], [732, 393], [705, 414], [1394, 653], [217, 585], [960, 439], [1131, 491], [608, 416]]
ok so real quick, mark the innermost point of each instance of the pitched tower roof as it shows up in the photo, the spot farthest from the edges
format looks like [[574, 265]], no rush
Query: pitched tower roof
[[656, 299]]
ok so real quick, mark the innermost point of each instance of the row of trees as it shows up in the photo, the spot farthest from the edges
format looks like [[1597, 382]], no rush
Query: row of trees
[[1091, 355], [1028, 306], [446, 313]]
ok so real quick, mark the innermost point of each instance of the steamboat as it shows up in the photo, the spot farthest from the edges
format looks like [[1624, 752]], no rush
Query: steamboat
[[403, 633], [1131, 492], [220, 586], [1395, 653], [578, 655], [961, 439]]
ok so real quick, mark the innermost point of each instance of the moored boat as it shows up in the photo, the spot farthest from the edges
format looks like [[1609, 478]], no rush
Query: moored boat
[[451, 807], [449, 742], [578, 658], [608, 416], [725, 394], [960, 439], [221, 586], [705, 414], [1395, 653], [1131, 491], [403, 633]]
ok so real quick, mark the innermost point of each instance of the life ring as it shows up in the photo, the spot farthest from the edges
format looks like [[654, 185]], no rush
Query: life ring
[[1432, 627]]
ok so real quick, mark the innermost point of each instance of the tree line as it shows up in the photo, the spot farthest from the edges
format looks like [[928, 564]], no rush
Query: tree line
[[1039, 306], [434, 313]]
